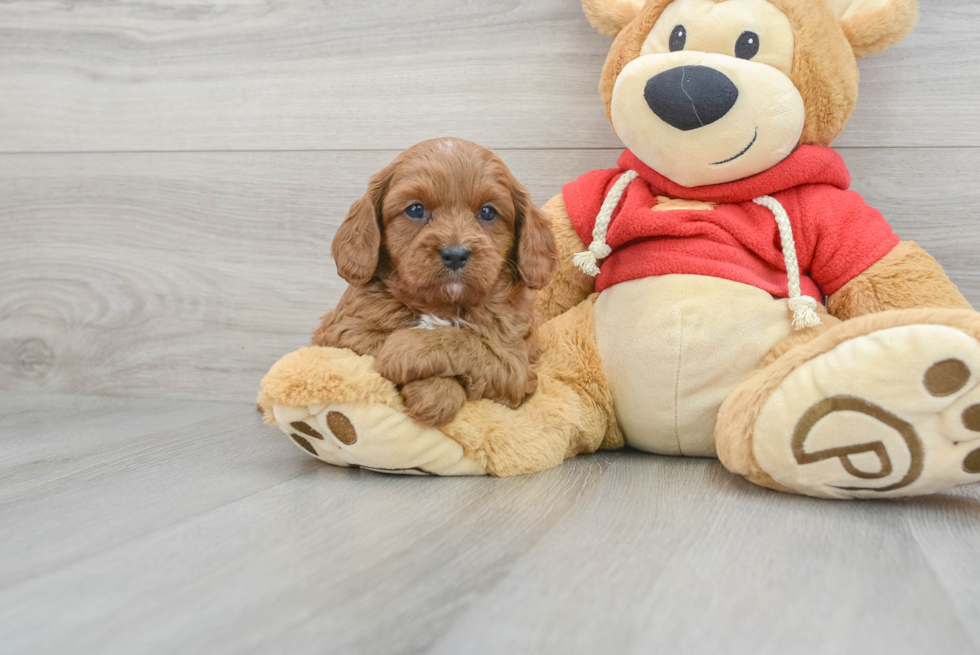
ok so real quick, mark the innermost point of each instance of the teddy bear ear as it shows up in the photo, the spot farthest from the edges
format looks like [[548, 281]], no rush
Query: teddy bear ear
[[873, 25], [611, 16]]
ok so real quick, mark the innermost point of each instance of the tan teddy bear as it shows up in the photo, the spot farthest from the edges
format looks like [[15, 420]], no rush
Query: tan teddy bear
[[749, 305]]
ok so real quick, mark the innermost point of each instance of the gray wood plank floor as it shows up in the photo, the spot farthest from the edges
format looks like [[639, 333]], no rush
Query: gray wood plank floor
[[173, 526], [171, 175]]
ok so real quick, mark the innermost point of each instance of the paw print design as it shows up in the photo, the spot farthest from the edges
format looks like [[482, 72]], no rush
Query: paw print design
[[889, 414], [373, 437]]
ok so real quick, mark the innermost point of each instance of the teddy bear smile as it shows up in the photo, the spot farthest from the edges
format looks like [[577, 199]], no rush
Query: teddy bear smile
[[745, 150]]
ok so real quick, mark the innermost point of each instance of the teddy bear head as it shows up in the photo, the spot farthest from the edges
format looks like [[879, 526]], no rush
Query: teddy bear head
[[713, 91]]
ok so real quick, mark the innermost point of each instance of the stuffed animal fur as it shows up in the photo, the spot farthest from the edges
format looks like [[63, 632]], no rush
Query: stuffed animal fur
[[720, 293]]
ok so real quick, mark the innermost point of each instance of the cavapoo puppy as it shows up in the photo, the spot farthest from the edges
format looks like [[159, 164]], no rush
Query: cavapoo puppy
[[441, 255]]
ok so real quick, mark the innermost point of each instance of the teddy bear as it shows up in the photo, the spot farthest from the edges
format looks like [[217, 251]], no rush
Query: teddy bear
[[720, 293]]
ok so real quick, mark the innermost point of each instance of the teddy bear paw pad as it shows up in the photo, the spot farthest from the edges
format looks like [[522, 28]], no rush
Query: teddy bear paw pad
[[373, 437], [889, 414]]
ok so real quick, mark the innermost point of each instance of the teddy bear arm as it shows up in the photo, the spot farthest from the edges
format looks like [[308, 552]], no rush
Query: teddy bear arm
[[569, 286], [906, 278]]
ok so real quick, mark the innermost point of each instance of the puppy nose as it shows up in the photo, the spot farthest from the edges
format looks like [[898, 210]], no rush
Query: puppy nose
[[689, 97], [454, 257]]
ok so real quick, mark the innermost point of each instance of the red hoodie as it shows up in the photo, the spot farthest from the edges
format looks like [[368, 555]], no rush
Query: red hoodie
[[837, 235]]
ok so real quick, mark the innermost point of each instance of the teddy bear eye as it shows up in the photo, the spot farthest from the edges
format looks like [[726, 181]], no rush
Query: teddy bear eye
[[487, 214], [416, 212], [678, 38], [747, 45]]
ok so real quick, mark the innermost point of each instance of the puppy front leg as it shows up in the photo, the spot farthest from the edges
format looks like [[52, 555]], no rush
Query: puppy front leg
[[433, 401], [504, 376], [361, 336], [409, 355]]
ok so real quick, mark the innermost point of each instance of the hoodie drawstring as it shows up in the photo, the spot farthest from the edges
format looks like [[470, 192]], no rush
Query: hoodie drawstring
[[588, 261], [804, 308]]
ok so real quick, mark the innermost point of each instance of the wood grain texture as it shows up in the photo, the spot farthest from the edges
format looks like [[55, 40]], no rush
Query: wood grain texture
[[175, 526], [301, 75], [189, 274]]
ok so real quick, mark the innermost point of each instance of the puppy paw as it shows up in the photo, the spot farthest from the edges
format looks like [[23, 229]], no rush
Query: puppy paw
[[406, 358], [530, 385], [433, 401]]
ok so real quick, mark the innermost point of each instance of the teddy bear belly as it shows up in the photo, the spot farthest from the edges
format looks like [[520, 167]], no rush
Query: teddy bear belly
[[674, 347]]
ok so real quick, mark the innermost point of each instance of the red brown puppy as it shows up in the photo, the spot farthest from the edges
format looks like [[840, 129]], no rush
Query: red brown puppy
[[441, 255]]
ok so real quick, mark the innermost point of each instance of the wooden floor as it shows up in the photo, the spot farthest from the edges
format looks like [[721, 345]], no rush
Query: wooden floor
[[177, 526], [171, 175]]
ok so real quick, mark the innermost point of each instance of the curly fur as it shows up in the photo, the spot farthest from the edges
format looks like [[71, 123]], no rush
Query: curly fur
[[446, 336]]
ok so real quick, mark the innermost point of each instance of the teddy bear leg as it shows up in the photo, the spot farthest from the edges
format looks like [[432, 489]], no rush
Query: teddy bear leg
[[335, 407], [881, 406]]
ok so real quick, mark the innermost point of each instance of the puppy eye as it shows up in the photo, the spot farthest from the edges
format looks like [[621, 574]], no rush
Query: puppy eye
[[678, 38], [747, 45], [416, 212], [487, 214]]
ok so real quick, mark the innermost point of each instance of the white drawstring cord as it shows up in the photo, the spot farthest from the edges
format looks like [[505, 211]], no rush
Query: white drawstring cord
[[804, 308], [588, 261]]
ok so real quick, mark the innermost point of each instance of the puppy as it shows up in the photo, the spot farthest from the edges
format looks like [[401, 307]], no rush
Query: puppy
[[441, 255]]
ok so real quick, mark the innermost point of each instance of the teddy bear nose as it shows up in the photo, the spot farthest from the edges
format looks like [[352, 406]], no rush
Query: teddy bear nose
[[689, 97], [454, 257]]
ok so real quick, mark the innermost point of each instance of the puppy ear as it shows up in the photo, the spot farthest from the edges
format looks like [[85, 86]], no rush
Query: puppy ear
[[611, 16], [874, 25], [357, 245], [537, 254]]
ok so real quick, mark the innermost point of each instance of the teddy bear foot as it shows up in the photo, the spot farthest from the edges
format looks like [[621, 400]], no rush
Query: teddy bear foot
[[883, 406], [377, 438], [334, 406]]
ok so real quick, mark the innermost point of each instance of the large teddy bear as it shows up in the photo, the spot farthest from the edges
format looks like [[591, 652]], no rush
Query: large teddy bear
[[721, 292]]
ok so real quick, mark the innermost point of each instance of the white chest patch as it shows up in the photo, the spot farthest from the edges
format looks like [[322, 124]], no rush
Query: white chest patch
[[430, 322]]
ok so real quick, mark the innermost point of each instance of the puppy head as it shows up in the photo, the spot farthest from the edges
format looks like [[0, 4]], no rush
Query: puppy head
[[444, 224]]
